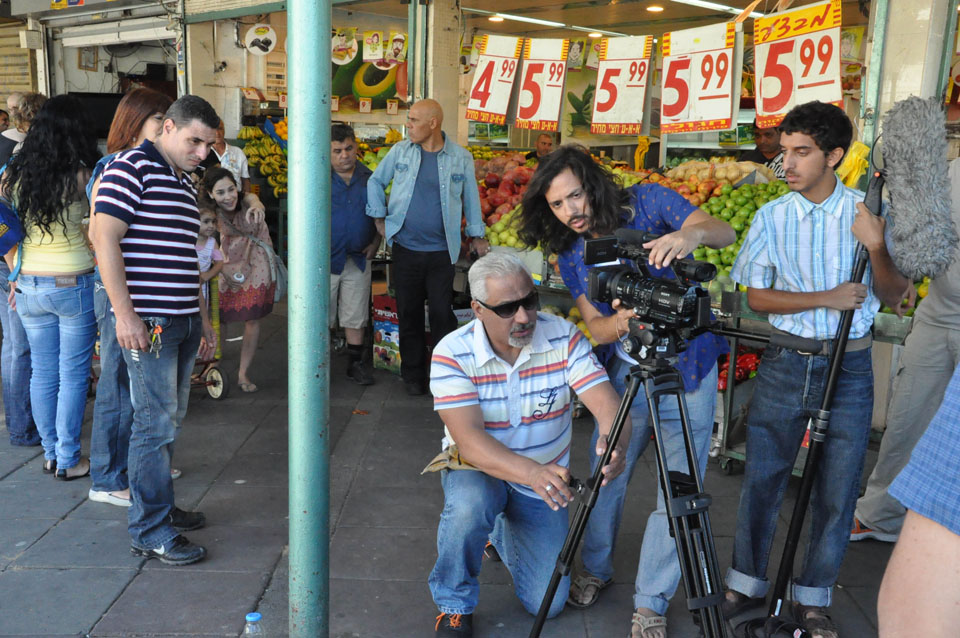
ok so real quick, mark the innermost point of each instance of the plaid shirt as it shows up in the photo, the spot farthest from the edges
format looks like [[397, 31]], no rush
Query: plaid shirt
[[930, 483], [798, 246]]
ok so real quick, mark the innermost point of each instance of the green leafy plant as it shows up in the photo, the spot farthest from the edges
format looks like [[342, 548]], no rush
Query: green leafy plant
[[582, 106]]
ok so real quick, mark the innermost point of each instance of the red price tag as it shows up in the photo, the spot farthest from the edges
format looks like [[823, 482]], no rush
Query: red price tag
[[623, 75], [541, 90], [701, 78], [283, 100], [493, 78], [797, 60]]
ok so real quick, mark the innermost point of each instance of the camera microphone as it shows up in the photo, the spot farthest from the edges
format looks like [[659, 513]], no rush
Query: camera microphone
[[914, 149]]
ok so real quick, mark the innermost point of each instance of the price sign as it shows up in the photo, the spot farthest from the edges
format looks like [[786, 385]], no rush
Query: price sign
[[499, 57], [701, 78], [282, 98], [797, 59], [541, 90], [623, 74]]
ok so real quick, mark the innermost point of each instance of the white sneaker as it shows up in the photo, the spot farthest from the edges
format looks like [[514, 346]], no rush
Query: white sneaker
[[175, 474], [108, 497]]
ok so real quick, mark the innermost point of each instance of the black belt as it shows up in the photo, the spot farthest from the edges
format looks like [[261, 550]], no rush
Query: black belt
[[815, 347]]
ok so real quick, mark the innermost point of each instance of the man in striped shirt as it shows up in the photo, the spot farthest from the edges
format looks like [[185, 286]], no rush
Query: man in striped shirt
[[796, 262], [145, 242], [503, 385]]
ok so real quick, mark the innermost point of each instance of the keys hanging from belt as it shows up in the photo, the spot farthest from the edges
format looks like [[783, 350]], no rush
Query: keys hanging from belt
[[156, 344]]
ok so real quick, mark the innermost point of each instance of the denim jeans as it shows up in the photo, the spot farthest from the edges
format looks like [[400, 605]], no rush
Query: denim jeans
[[789, 389], [15, 371], [112, 410], [525, 531], [61, 329], [159, 391], [658, 572]]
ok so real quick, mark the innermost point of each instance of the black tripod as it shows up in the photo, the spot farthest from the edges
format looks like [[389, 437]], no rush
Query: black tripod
[[686, 503]]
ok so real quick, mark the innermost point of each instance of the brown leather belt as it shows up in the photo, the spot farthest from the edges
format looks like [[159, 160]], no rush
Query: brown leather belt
[[817, 347]]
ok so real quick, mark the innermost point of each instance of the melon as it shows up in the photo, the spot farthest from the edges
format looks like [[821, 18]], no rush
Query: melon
[[375, 81]]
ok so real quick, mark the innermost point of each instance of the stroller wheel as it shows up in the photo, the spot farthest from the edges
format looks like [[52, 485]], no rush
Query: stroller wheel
[[217, 385]]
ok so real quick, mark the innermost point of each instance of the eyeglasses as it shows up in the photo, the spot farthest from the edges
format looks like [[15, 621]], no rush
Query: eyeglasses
[[509, 309]]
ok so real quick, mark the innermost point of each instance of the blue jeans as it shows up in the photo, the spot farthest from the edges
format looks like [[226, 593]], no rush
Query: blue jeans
[[112, 410], [789, 389], [61, 329], [159, 392], [525, 531], [658, 572], [15, 371]]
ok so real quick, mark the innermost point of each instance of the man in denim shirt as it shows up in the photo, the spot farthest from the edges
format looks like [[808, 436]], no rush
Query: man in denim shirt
[[433, 189]]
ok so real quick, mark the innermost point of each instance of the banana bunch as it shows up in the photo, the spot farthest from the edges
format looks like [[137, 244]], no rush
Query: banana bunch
[[250, 133], [393, 136], [279, 183], [265, 154]]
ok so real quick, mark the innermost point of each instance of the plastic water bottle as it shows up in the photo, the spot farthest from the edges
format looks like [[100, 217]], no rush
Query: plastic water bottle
[[253, 626]]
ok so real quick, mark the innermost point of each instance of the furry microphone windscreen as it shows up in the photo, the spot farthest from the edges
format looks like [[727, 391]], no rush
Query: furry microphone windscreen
[[924, 237]]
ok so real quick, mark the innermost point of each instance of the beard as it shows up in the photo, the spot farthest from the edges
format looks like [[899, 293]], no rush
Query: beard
[[519, 342]]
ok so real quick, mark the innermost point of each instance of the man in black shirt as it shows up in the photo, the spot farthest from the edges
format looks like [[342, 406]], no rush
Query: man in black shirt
[[544, 147], [767, 151]]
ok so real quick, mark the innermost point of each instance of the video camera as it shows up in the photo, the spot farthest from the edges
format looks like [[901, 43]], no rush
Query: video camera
[[669, 311]]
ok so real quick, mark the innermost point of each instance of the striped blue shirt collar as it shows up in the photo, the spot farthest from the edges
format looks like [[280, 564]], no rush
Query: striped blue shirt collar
[[483, 352], [831, 205]]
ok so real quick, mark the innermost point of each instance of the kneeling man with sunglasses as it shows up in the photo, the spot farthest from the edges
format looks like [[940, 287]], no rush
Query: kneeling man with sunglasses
[[504, 386], [572, 197]]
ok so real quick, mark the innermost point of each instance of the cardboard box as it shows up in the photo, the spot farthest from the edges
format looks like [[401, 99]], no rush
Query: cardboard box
[[386, 346], [385, 308]]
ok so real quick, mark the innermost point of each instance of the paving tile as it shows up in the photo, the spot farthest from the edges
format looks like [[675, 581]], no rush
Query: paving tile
[[13, 457], [393, 458], [864, 564], [245, 505], [234, 549], [186, 497], [859, 616], [58, 601], [393, 507], [370, 553], [18, 534], [266, 441], [379, 609], [183, 601], [82, 543], [258, 469], [40, 496]]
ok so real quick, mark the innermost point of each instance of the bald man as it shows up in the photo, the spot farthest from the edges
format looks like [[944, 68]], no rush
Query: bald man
[[433, 190], [544, 147]]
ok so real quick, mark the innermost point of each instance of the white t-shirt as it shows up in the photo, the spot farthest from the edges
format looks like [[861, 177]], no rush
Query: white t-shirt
[[234, 161]]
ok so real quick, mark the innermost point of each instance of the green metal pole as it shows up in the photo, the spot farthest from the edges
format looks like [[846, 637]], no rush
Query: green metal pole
[[309, 64], [870, 104], [949, 42]]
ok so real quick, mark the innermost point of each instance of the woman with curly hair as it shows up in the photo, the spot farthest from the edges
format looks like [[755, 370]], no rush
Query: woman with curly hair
[[27, 107], [54, 291]]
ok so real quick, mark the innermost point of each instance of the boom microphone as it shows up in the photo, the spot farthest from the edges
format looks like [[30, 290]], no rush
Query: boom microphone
[[914, 150]]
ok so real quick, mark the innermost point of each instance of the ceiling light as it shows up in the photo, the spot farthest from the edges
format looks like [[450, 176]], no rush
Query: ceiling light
[[594, 34], [655, 8], [516, 18], [718, 7], [498, 17], [495, 18]]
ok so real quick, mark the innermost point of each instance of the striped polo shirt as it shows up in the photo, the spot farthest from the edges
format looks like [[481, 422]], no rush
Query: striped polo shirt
[[159, 248], [527, 406], [798, 246]]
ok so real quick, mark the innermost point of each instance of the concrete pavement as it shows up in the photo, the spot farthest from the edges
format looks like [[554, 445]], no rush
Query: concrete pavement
[[66, 570]]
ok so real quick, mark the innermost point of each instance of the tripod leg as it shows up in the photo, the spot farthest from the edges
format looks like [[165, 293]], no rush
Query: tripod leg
[[686, 506]]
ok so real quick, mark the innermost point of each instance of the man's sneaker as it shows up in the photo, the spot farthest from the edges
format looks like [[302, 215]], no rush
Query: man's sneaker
[[861, 532], [454, 625], [186, 521], [359, 373], [179, 551]]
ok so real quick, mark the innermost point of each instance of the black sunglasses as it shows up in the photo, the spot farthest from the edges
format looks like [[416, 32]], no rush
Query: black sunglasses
[[507, 310]]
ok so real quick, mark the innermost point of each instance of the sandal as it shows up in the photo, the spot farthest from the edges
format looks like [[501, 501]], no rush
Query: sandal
[[740, 603], [815, 621], [643, 623], [585, 590], [248, 387]]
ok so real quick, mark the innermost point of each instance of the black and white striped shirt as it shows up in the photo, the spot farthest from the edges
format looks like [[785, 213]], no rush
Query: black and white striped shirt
[[159, 249]]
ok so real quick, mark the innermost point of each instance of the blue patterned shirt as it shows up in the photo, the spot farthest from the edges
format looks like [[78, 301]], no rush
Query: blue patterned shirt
[[798, 246], [657, 210], [930, 483]]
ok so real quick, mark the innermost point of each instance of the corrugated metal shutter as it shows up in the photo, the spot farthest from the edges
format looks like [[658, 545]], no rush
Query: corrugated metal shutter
[[18, 71]]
